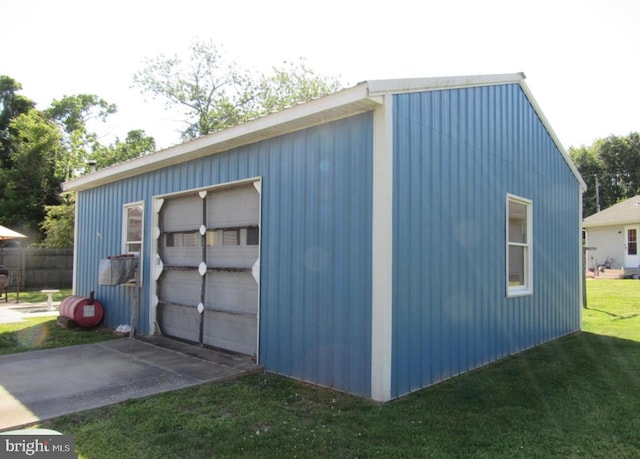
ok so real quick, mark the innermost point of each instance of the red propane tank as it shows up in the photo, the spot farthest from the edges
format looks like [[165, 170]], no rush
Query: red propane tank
[[86, 312]]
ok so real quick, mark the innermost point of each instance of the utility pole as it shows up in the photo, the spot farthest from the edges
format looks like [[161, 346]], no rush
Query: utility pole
[[597, 194]]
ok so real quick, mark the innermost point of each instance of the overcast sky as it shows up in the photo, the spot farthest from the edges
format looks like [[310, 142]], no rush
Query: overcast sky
[[581, 57]]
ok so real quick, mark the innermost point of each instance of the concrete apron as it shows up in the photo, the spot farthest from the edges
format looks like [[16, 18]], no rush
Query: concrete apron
[[40, 385]]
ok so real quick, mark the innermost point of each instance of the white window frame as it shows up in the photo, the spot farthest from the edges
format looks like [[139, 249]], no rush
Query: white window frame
[[125, 233], [527, 288], [125, 227]]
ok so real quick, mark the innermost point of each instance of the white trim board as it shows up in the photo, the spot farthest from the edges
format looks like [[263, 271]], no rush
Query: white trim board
[[382, 253]]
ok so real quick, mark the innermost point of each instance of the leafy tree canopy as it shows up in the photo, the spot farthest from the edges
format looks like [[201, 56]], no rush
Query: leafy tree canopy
[[215, 93], [611, 168], [12, 105], [73, 112], [59, 222], [41, 149]]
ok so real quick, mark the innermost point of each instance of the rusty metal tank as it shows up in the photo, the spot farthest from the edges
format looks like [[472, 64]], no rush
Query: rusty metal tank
[[85, 312]]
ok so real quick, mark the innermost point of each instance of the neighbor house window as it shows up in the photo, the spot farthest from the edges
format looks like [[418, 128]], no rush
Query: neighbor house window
[[133, 228], [519, 252]]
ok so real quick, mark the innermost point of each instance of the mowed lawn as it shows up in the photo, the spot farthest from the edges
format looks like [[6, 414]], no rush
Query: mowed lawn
[[578, 396]]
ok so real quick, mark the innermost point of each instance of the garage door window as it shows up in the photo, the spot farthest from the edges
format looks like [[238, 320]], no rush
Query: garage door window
[[231, 237], [253, 236]]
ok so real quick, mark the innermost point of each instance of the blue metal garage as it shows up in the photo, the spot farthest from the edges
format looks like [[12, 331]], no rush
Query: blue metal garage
[[377, 240]]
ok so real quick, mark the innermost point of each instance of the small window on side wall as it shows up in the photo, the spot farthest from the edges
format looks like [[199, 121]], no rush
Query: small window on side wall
[[133, 228], [519, 253]]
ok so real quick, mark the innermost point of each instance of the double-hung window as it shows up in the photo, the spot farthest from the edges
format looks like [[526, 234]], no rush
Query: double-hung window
[[519, 248], [133, 227], [132, 232]]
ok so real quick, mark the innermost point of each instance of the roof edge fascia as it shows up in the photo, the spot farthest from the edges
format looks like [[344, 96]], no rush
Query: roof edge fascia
[[404, 85], [616, 223], [298, 117]]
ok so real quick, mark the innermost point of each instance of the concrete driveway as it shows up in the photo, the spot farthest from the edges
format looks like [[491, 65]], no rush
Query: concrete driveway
[[45, 384]]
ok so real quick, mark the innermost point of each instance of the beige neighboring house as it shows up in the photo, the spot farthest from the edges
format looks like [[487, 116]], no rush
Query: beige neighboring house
[[613, 233]]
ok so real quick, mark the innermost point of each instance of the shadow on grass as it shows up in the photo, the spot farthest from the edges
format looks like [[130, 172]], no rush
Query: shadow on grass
[[616, 316], [630, 316]]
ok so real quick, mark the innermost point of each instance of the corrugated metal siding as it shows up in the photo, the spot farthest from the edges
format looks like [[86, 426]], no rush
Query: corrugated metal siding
[[457, 153], [316, 262], [315, 316]]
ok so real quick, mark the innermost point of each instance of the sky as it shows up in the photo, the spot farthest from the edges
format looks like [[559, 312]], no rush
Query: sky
[[581, 57]]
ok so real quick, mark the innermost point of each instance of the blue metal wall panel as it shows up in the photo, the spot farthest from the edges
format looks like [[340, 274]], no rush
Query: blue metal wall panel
[[315, 315], [456, 155]]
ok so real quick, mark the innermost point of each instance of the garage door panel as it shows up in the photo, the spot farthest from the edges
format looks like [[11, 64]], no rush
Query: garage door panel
[[180, 321], [229, 291], [221, 229], [181, 256], [182, 213], [232, 257], [234, 332], [233, 207], [181, 287]]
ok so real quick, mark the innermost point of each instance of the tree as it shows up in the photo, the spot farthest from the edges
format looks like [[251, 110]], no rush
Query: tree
[[291, 84], [621, 159], [217, 94], [72, 113], [58, 224], [30, 183], [12, 105], [41, 149], [611, 168], [591, 169], [136, 144], [207, 87]]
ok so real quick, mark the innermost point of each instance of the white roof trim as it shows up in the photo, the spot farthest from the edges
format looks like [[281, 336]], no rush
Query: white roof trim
[[430, 84], [614, 224], [361, 98], [342, 104]]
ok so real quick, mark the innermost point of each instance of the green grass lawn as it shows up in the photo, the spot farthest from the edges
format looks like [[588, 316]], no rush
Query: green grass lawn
[[578, 396], [43, 333], [35, 296]]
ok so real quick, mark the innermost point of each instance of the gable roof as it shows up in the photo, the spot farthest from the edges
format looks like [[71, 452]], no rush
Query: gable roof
[[360, 98], [622, 213]]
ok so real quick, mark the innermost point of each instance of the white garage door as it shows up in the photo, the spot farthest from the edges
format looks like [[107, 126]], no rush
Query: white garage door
[[208, 251]]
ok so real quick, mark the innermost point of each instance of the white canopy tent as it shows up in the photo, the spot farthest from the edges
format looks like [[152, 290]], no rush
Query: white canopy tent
[[5, 235]]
